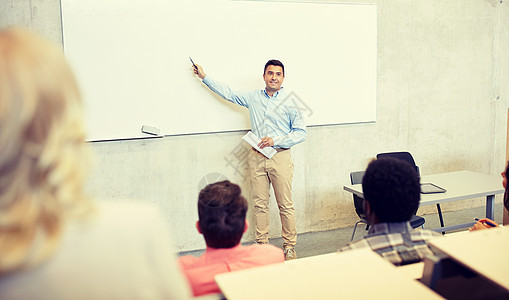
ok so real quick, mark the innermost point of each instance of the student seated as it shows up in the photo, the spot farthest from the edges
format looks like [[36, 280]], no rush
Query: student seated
[[392, 193], [487, 223], [484, 223], [54, 242], [505, 175], [222, 222]]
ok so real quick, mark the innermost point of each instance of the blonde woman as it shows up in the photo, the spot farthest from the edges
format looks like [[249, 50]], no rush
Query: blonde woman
[[54, 242]]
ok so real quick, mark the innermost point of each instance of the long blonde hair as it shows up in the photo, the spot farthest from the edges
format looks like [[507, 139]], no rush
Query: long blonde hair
[[43, 155]]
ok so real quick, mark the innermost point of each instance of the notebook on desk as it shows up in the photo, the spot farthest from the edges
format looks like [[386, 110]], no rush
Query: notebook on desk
[[430, 188]]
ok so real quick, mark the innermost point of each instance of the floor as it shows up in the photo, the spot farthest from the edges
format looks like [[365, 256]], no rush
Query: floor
[[316, 243]]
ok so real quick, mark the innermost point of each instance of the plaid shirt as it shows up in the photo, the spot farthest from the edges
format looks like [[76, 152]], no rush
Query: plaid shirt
[[397, 242]]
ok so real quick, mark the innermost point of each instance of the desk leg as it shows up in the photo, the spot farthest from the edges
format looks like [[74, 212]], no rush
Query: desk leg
[[490, 206]]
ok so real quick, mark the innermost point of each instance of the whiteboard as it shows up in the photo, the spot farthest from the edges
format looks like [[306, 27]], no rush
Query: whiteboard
[[131, 59]]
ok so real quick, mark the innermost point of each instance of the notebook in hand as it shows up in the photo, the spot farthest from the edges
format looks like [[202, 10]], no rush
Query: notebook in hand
[[253, 140]]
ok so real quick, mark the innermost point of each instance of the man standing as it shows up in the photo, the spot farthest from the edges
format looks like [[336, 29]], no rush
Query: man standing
[[280, 126]]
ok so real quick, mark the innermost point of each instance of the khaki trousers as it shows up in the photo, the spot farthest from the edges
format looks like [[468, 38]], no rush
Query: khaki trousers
[[279, 171]]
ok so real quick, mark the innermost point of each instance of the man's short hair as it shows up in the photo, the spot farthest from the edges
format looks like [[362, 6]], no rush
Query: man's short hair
[[222, 214], [274, 62], [392, 189]]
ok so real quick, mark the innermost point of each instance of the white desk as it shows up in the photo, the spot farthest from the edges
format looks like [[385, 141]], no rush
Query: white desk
[[356, 274], [485, 252], [460, 185], [413, 271]]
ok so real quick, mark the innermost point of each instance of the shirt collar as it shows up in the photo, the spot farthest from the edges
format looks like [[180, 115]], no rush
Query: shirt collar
[[386, 228], [213, 251], [276, 94]]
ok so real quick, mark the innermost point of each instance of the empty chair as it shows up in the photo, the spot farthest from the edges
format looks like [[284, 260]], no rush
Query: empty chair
[[356, 178], [406, 156]]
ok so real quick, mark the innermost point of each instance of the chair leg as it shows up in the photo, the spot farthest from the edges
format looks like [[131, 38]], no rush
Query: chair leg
[[355, 228], [440, 216]]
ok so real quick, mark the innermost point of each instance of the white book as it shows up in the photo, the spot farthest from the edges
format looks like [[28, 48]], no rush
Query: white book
[[253, 140]]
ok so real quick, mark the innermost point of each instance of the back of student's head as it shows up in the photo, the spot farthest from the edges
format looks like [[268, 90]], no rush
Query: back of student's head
[[42, 151], [222, 214], [392, 188]]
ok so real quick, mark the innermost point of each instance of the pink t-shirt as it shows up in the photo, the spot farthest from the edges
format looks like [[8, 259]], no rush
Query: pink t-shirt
[[200, 271]]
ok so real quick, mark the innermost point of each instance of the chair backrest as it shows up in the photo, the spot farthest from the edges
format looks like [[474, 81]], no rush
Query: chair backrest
[[405, 156], [356, 177], [358, 202]]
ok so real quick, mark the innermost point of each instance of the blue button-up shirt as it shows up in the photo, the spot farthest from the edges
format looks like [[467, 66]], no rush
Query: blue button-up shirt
[[270, 116]]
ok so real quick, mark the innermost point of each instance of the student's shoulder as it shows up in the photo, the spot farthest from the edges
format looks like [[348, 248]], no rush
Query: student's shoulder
[[266, 250], [187, 261], [124, 224], [362, 243], [264, 247], [425, 234]]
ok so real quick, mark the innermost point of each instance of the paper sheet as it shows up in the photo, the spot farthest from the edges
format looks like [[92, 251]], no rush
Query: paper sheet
[[253, 140]]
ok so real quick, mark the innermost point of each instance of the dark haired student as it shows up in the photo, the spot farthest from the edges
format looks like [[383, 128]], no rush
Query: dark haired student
[[281, 126], [392, 192], [222, 222]]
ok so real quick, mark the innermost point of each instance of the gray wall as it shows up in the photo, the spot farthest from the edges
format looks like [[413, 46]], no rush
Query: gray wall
[[441, 69]]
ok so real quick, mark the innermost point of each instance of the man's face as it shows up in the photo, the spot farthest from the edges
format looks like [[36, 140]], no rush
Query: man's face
[[273, 78]]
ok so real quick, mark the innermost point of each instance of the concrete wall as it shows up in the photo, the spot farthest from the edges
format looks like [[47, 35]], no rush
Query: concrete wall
[[441, 69]]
